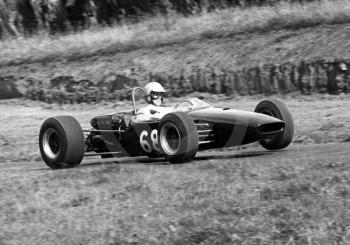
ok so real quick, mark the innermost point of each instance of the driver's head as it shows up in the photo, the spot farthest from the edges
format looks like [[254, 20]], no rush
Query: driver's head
[[154, 93]]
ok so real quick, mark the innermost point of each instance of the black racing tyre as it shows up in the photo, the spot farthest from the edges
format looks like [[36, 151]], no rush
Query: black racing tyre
[[278, 109], [61, 142], [178, 137]]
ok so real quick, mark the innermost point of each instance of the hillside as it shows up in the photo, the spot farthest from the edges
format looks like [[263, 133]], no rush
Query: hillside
[[320, 42], [228, 39], [241, 195]]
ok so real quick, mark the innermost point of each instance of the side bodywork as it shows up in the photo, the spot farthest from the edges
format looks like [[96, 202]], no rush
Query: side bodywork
[[217, 128]]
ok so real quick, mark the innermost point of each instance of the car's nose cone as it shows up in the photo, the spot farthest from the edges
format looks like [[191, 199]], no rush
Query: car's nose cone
[[233, 116]]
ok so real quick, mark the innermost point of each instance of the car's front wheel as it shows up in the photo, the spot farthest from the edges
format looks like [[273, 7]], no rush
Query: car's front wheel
[[178, 137], [61, 142], [278, 109]]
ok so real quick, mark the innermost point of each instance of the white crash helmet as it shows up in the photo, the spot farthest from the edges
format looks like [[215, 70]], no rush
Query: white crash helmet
[[343, 67], [154, 93]]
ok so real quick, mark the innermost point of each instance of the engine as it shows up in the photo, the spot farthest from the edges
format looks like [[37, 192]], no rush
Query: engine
[[108, 122], [105, 141]]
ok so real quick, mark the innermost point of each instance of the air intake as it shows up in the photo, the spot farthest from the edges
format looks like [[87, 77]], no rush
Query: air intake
[[270, 128]]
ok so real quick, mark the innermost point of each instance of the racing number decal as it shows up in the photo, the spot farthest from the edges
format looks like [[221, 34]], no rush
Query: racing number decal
[[154, 138], [145, 142]]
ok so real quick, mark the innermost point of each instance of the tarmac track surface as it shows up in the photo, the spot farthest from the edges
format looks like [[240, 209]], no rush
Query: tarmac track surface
[[313, 153]]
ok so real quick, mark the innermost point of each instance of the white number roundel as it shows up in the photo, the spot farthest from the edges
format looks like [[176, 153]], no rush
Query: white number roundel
[[145, 142]]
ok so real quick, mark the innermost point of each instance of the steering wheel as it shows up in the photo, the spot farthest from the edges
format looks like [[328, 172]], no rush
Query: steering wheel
[[184, 102]]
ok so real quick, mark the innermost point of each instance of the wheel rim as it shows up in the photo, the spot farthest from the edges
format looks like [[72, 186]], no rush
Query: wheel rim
[[267, 112], [51, 143], [170, 138]]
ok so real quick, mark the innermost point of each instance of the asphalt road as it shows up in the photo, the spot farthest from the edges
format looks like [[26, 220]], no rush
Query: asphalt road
[[312, 153]]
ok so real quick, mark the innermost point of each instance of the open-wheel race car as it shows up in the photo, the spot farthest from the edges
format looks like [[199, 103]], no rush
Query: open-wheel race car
[[191, 125]]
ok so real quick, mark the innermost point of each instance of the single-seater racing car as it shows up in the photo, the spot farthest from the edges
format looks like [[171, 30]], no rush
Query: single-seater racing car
[[191, 125]]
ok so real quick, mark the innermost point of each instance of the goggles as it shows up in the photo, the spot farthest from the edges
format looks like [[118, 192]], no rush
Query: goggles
[[156, 95]]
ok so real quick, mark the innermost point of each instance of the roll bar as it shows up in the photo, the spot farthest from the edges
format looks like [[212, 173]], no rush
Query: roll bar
[[133, 97]]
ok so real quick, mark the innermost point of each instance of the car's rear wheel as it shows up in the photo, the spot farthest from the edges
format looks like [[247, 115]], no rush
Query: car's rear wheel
[[178, 137], [278, 109], [61, 142]]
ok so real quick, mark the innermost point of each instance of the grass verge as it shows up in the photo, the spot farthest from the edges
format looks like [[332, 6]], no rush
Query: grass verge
[[239, 200]]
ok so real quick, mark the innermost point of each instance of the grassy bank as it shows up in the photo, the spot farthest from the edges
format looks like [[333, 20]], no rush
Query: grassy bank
[[164, 30]]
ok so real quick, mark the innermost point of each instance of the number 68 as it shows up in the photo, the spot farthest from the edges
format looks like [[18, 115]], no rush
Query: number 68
[[145, 144]]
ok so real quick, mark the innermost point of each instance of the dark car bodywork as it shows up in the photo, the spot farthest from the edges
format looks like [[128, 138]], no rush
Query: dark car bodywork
[[112, 135]]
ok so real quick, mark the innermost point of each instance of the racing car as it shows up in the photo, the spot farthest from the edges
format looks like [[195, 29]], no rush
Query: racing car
[[191, 125]]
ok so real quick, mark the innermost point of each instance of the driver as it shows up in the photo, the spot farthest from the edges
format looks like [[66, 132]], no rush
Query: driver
[[154, 96]]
